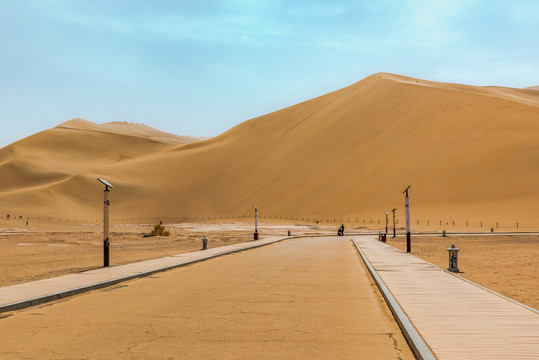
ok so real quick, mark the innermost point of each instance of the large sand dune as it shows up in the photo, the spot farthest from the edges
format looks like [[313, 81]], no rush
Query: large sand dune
[[468, 152]]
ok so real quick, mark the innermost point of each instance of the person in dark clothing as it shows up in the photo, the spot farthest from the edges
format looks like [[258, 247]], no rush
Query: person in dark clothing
[[340, 232]]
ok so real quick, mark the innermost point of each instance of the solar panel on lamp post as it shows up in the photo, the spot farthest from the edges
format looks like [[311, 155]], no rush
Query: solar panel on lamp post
[[106, 208]]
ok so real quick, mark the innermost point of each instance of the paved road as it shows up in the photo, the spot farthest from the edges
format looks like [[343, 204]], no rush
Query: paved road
[[15, 297], [300, 299]]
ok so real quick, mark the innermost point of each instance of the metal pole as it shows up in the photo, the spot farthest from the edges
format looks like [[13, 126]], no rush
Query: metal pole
[[386, 221], [255, 235], [106, 227], [407, 207], [394, 230]]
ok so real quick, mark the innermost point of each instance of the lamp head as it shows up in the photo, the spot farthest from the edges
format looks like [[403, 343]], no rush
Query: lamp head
[[256, 208], [385, 212], [106, 183]]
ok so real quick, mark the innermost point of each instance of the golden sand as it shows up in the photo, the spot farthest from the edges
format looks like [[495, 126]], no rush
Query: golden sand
[[51, 250], [467, 152]]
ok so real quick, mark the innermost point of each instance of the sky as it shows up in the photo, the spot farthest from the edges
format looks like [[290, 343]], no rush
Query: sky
[[200, 67]]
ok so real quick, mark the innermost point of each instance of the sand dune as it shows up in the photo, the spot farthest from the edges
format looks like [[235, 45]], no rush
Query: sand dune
[[49, 173], [468, 152]]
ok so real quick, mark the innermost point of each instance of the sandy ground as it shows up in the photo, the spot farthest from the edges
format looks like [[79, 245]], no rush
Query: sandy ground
[[300, 299], [508, 265], [38, 252]]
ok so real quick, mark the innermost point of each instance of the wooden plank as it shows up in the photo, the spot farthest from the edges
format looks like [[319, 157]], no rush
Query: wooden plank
[[457, 319]]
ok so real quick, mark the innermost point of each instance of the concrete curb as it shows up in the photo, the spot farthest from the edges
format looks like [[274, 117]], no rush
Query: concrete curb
[[75, 291], [419, 347]]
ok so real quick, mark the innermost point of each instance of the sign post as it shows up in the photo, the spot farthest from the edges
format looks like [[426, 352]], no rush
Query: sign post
[[407, 207], [453, 259]]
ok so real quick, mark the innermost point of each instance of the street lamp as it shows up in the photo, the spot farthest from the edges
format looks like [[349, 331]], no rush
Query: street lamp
[[394, 231], [385, 212], [106, 222], [255, 237], [407, 207]]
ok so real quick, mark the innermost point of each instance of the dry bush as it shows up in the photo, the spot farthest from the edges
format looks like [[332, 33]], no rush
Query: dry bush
[[159, 230]]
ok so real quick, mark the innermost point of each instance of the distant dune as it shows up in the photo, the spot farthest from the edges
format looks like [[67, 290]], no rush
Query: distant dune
[[533, 88], [52, 173], [468, 152]]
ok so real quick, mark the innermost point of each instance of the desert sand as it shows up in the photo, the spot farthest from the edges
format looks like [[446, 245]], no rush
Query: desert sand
[[502, 263], [467, 151], [50, 249], [273, 302], [344, 157]]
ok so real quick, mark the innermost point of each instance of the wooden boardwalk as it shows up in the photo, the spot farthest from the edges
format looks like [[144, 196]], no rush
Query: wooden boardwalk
[[457, 319]]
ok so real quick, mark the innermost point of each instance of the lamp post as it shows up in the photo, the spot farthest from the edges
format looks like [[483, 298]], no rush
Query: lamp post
[[407, 207], [106, 221], [394, 231], [385, 212], [255, 236]]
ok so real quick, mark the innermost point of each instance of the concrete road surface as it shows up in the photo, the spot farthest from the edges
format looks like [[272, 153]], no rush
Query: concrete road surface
[[305, 298]]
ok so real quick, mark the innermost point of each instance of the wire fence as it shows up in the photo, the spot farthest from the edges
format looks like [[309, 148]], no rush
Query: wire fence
[[7, 217]]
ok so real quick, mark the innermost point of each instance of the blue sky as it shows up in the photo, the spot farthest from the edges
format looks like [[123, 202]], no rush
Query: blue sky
[[200, 67]]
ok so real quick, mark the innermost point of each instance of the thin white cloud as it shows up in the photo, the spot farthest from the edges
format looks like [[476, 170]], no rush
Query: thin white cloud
[[174, 27], [432, 23]]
